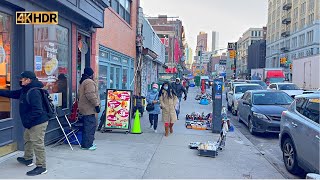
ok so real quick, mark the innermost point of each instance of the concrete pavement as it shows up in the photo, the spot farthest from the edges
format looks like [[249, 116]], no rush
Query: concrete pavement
[[152, 156]]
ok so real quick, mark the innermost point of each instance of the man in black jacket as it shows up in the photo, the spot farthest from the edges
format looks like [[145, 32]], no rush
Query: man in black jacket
[[179, 89], [34, 118]]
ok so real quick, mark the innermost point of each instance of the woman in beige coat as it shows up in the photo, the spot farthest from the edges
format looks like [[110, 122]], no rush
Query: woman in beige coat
[[168, 101]]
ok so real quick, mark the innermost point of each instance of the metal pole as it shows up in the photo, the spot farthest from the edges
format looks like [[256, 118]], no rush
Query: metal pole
[[235, 61]]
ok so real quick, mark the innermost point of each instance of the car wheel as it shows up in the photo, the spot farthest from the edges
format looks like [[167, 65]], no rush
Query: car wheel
[[239, 119], [250, 126], [290, 157], [233, 111]]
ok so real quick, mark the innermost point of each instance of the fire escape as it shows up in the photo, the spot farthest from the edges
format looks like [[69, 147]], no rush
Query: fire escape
[[285, 49]]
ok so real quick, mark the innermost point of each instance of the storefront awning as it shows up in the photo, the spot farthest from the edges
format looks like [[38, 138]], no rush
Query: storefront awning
[[171, 70], [150, 53]]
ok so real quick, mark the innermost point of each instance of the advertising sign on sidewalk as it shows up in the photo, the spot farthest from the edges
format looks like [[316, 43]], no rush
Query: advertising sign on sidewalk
[[118, 109]]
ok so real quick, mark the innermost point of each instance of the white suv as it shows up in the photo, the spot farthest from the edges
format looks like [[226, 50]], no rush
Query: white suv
[[237, 92]]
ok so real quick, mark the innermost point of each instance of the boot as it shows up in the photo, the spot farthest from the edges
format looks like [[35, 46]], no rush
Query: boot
[[166, 128], [171, 129]]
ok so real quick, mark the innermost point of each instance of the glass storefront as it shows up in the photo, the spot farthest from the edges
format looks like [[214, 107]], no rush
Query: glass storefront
[[51, 52], [5, 63]]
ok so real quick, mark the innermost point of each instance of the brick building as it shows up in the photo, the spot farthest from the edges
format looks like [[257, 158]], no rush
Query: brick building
[[116, 46]]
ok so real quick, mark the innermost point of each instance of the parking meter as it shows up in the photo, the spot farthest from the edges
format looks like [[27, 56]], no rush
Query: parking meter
[[216, 105]]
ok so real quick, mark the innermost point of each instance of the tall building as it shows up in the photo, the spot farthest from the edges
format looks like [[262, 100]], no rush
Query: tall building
[[293, 32], [202, 40], [189, 57], [251, 36], [215, 41]]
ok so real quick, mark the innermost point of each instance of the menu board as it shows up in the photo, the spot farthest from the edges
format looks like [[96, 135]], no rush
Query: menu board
[[118, 105]]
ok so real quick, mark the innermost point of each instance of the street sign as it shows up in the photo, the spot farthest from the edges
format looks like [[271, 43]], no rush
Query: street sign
[[231, 46]]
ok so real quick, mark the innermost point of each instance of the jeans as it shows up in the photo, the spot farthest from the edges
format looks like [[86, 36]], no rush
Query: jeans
[[34, 142], [89, 129], [153, 118], [178, 110]]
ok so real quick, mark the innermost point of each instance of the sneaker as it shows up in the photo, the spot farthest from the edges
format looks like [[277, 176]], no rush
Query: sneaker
[[151, 126], [37, 171], [155, 131], [92, 148], [24, 161]]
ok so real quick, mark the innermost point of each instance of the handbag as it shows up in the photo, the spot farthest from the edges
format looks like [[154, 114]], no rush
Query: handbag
[[150, 106]]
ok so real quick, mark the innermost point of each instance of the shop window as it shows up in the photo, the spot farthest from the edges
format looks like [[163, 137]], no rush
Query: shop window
[[123, 8], [103, 81], [5, 63], [125, 79], [51, 57], [112, 77]]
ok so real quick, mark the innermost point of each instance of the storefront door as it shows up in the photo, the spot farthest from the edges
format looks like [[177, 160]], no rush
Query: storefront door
[[83, 55], [8, 143]]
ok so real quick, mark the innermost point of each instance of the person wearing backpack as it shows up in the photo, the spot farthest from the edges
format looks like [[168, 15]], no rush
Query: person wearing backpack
[[89, 105], [34, 118]]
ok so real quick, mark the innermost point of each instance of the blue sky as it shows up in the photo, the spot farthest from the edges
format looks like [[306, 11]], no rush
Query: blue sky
[[230, 18]]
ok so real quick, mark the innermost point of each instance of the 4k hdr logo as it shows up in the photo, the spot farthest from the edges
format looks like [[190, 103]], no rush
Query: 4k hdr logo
[[37, 17]]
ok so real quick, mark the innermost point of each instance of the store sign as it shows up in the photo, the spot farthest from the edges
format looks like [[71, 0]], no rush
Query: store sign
[[51, 51], [165, 41], [118, 106], [38, 63], [37, 17]]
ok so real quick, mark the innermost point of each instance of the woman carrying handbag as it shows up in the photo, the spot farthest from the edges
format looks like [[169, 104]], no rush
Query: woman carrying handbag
[[153, 107]]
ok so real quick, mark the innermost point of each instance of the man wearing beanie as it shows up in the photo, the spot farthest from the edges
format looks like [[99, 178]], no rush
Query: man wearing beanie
[[89, 105]]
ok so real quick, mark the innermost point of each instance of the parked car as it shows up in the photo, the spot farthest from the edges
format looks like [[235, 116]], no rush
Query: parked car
[[236, 94], [290, 88], [260, 82], [230, 87], [261, 110], [300, 134]]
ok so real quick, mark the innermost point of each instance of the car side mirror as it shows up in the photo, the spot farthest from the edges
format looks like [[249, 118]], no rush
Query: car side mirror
[[246, 103]]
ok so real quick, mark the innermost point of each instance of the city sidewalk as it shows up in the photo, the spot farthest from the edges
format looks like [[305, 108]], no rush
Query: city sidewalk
[[152, 156]]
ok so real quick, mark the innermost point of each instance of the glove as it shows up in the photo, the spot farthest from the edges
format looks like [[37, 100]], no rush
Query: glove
[[97, 109]]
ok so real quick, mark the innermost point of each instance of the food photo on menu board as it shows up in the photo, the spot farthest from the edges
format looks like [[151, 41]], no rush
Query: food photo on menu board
[[118, 109]]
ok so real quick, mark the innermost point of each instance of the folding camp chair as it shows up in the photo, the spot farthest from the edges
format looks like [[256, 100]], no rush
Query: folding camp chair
[[65, 125]]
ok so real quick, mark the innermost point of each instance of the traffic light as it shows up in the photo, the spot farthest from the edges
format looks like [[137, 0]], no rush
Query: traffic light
[[283, 60], [199, 53], [232, 54]]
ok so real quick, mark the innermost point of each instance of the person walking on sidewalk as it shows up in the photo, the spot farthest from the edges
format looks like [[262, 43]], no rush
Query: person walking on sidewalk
[[168, 101], [153, 97], [179, 89], [34, 119], [89, 105]]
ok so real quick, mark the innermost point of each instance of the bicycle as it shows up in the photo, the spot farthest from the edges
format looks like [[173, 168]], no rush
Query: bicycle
[[225, 123]]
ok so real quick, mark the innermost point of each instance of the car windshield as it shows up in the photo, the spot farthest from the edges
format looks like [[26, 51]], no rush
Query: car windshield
[[276, 80], [271, 98], [243, 89], [288, 87], [261, 83]]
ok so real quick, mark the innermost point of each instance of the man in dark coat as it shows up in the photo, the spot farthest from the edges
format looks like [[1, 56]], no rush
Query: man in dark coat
[[34, 118], [179, 89]]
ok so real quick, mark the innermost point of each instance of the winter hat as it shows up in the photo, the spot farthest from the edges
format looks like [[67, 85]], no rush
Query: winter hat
[[27, 74], [155, 86], [88, 71]]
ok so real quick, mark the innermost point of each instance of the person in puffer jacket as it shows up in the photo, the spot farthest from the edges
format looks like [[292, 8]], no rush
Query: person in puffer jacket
[[89, 105], [34, 118]]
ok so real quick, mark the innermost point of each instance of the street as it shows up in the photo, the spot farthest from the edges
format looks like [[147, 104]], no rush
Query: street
[[267, 144]]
